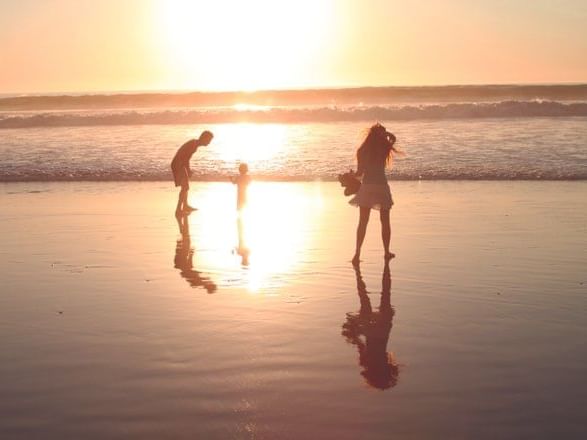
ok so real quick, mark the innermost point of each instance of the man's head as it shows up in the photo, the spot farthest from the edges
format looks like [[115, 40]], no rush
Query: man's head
[[205, 138]]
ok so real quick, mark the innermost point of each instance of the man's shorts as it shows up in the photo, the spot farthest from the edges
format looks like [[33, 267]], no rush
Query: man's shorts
[[181, 177]]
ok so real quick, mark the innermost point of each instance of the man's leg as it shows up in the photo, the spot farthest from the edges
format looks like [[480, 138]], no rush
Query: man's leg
[[181, 200], [186, 207], [185, 185]]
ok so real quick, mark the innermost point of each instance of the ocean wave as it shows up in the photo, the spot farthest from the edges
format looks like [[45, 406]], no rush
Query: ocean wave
[[504, 109], [337, 96]]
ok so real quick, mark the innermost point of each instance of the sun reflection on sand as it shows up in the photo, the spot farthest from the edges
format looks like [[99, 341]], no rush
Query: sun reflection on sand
[[267, 238], [273, 230]]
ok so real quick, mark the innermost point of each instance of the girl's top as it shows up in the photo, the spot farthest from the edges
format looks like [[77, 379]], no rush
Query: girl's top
[[372, 167]]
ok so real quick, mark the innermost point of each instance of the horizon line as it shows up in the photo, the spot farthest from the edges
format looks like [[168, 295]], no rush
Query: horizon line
[[292, 89]]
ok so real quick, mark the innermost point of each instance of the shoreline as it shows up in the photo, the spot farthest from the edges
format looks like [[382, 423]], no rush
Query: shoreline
[[301, 181]]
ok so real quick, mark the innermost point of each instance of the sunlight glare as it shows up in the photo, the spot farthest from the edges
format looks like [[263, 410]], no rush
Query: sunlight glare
[[273, 232], [234, 45], [276, 241], [252, 143]]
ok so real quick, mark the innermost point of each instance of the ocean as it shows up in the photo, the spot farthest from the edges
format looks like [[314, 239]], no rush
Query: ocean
[[454, 133]]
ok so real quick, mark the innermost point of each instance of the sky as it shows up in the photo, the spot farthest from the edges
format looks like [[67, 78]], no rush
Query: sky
[[51, 46]]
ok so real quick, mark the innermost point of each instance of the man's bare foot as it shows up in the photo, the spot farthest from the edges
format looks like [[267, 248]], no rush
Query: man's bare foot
[[389, 256], [356, 260]]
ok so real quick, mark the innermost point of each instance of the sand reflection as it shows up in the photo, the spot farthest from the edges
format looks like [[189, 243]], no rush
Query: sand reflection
[[264, 244], [184, 256], [369, 331], [242, 249]]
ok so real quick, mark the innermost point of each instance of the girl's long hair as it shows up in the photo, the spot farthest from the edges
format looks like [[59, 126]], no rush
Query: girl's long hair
[[379, 144]]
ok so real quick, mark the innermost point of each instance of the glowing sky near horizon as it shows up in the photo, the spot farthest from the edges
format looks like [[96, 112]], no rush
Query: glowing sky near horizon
[[102, 45]]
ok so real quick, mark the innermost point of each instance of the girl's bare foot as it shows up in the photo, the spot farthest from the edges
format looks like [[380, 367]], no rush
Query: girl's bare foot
[[189, 209], [389, 256], [356, 260]]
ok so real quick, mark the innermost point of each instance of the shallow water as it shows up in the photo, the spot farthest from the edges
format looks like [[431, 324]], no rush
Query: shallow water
[[472, 149], [108, 329]]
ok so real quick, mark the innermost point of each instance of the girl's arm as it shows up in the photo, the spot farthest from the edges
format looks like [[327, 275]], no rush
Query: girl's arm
[[360, 168]]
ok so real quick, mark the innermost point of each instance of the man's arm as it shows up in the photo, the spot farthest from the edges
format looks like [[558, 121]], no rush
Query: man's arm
[[194, 148]]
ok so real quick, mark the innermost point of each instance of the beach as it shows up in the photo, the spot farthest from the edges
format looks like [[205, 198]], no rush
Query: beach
[[115, 325]]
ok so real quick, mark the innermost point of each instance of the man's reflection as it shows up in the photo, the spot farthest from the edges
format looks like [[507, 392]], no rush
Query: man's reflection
[[369, 331], [184, 255]]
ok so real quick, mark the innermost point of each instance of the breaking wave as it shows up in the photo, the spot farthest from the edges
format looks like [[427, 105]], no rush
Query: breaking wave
[[502, 109]]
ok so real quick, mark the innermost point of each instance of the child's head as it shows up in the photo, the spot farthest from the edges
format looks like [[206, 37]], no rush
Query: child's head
[[243, 168]]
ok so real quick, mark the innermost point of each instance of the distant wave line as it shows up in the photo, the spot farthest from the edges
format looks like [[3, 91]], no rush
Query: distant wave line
[[502, 109], [338, 96]]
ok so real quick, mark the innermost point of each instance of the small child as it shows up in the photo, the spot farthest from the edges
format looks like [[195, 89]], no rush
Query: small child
[[242, 182]]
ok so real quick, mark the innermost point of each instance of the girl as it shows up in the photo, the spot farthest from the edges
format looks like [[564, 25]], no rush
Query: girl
[[376, 151]]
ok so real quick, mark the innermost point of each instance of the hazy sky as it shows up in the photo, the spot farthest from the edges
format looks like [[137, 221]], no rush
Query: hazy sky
[[101, 45]]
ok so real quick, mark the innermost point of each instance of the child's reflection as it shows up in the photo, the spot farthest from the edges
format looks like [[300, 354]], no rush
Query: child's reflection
[[369, 331], [184, 254], [242, 249]]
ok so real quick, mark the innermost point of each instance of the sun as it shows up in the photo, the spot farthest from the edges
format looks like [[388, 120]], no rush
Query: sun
[[242, 45]]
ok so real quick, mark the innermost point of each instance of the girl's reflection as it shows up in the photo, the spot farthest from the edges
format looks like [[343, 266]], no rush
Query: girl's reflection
[[369, 331], [184, 255]]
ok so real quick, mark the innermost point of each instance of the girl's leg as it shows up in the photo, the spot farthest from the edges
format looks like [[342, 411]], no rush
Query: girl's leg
[[361, 230], [386, 232]]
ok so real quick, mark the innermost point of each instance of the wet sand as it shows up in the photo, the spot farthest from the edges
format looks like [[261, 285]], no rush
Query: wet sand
[[115, 325]]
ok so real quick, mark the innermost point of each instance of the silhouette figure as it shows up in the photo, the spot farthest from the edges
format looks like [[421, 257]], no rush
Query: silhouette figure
[[242, 182], [180, 166], [369, 331], [184, 255], [373, 156]]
